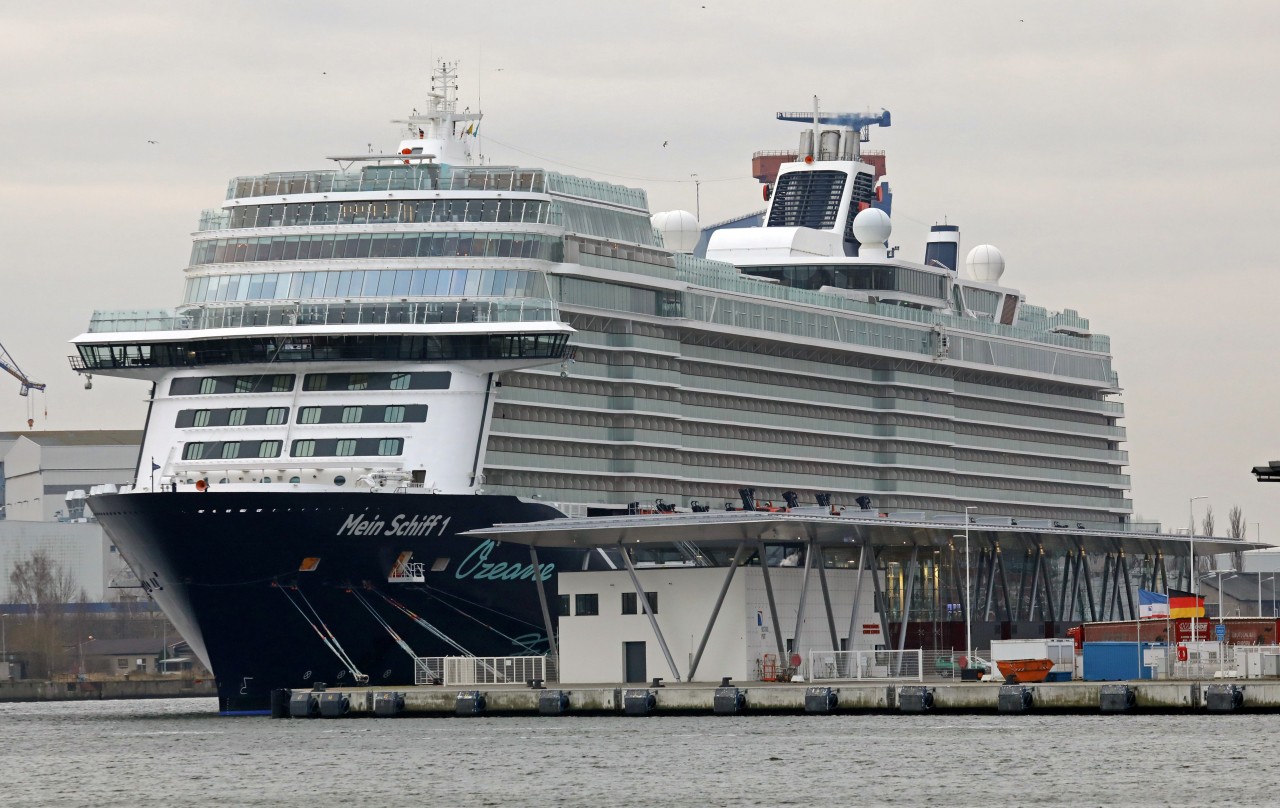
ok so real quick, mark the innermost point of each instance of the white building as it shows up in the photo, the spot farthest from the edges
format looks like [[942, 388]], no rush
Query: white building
[[605, 635], [41, 467]]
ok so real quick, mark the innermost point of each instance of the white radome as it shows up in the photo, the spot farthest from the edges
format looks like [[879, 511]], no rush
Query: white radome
[[985, 263], [679, 229], [872, 226]]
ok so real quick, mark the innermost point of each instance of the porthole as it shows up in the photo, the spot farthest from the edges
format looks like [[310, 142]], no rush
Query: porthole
[[295, 479], [339, 480]]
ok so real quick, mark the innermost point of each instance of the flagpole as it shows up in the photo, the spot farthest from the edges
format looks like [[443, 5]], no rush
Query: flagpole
[[153, 473]]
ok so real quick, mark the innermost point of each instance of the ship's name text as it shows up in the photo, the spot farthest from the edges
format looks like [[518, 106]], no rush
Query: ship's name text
[[400, 525], [478, 567]]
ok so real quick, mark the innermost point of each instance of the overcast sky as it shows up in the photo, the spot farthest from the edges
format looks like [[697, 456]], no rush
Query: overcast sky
[[1123, 156]]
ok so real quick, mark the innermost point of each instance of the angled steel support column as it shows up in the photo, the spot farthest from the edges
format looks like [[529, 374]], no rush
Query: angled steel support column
[[773, 607], [882, 608], [1128, 590], [826, 600], [912, 568], [1027, 559], [1034, 556], [804, 596], [715, 610], [648, 610], [542, 599], [1068, 566], [857, 596], [1004, 584], [991, 584], [1109, 607], [1088, 585], [1106, 579], [1048, 589]]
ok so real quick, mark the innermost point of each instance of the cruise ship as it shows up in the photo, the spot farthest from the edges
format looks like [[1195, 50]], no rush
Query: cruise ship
[[371, 359]]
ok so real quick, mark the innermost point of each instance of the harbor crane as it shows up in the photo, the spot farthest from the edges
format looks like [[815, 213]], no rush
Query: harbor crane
[[8, 364]]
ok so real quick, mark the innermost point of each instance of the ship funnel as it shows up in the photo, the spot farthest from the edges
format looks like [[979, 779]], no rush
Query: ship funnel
[[943, 247]]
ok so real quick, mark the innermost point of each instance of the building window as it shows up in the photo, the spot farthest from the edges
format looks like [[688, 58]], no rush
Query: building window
[[237, 417], [309, 415], [193, 451], [352, 415], [564, 606], [630, 605], [269, 448], [304, 448], [389, 446], [277, 415], [122, 664], [201, 419], [345, 448], [393, 415], [584, 605]]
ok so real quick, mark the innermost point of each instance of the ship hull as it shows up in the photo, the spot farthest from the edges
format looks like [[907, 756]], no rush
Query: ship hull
[[227, 568]]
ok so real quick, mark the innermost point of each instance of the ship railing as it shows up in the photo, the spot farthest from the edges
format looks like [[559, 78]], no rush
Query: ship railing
[[495, 310], [412, 572], [862, 665]]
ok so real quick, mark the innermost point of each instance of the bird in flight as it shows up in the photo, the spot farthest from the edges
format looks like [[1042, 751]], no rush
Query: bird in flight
[[154, 142], [664, 143]]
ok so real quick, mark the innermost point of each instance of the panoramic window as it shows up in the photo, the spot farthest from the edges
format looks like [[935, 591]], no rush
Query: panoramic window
[[269, 448], [304, 448]]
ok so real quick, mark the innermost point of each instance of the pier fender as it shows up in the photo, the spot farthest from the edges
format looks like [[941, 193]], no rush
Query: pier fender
[[388, 705], [729, 700], [553, 702], [1117, 699], [915, 699], [469, 702], [334, 705], [1224, 698], [280, 702], [305, 704], [639, 702], [1015, 699], [820, 700]]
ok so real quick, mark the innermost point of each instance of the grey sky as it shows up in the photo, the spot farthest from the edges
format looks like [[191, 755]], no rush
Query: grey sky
[[1121, 155]]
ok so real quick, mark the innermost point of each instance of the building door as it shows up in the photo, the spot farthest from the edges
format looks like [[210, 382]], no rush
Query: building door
[[633, 662]]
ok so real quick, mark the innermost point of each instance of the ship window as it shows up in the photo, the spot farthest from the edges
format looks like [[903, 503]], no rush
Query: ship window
[[295, 479], [317, 381], [345, 448], [193, 451], [393, 415], [281, 383], [245, 384], [201, 419], [277, 415], [390, 446], [440, 565], [352, 415], [237, 417], [339, 480], [269, 448], [309, 415], [304, 448], [358, 381], [585, 605], [208, 385], [400, 381], [231, 450]]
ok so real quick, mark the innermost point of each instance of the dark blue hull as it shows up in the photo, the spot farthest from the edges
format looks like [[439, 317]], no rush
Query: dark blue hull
[[226, 567]]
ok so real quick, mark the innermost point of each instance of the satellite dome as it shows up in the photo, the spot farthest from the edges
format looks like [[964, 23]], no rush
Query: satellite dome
[[679, 230], [872, 226], [985, 263]]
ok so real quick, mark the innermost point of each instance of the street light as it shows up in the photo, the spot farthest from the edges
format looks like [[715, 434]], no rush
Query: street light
[[4, 639], [1195, 579]]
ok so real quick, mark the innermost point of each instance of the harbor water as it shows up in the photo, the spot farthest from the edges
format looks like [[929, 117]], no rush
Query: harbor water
[[178, 752]]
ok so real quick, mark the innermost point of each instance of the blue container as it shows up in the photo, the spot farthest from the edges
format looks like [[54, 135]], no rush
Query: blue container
[[1115, 661]]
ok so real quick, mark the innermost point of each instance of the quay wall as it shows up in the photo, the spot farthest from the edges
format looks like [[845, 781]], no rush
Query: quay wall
[[34, 690]]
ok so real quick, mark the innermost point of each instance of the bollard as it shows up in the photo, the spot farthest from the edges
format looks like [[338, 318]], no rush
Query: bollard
[[1015, 699], [280, 702]]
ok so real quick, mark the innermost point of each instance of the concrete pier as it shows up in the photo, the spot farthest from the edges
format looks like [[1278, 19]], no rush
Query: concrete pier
[[775, 699]]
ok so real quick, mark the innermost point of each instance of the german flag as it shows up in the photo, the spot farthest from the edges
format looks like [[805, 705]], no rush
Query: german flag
[[1185, 604]]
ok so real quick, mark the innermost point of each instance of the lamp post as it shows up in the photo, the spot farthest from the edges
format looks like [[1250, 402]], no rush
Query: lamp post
[[1195, 574], [4, 639]]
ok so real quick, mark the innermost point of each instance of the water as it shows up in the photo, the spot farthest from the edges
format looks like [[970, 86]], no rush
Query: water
[[177, 752]]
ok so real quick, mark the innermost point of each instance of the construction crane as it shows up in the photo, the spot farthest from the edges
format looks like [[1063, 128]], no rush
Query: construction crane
[[11, 367]]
